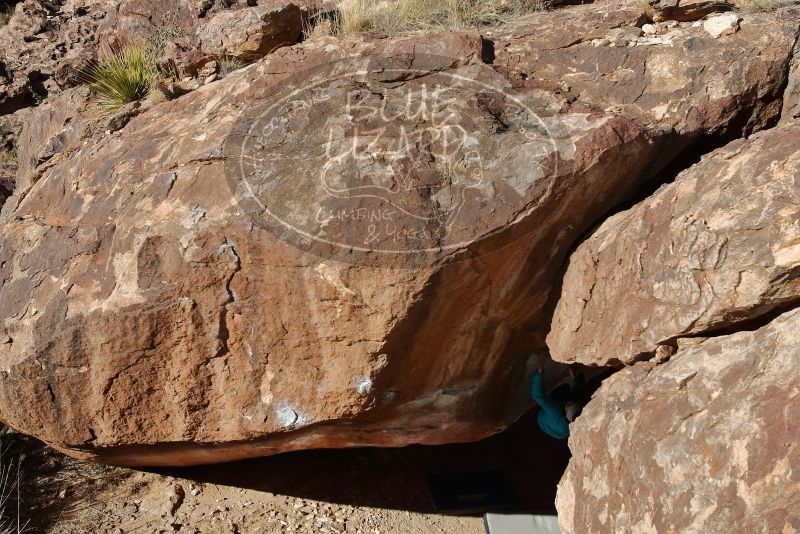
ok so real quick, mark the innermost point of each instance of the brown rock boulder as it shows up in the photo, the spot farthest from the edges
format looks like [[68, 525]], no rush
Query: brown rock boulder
[[151, 21], [178, 328], [252, 32], [717, 247], [352, 242], [683, 81], [704, 443]]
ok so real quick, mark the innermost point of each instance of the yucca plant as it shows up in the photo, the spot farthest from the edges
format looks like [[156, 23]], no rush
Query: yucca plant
[[121, 76]]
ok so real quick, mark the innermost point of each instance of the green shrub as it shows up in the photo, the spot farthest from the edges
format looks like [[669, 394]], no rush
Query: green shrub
[[123, 76], [7, 157], [167, 30]]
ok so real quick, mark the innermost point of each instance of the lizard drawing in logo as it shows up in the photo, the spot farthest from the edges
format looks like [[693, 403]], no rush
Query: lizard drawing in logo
[[420, 172]]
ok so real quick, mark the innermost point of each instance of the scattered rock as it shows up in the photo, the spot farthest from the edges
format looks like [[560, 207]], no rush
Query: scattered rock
[[663, 353], [649, 29], [131, 508], [160, 24], [622, 36], [44, 47], [175, 497]]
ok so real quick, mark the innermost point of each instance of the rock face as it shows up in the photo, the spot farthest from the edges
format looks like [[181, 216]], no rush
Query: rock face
[[681, 82], [701, 279], [51, 128], [351, 242], [717, 247], [704, 443], [791, 99], [244, 341]]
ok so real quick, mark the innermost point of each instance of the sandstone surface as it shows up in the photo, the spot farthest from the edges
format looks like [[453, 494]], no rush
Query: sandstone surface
[[353, 241], [714, 249]]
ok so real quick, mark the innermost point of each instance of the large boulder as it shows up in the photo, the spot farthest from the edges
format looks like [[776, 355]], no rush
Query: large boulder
[[715, 249], [706, 442], [351, 242], [177, 328], [252, 32]]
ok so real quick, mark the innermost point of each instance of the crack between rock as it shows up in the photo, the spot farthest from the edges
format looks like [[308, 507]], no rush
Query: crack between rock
[[747, 325]]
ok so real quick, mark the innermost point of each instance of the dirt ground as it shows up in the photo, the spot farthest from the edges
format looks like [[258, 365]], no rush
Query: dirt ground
[[358, 491], [151, 503]]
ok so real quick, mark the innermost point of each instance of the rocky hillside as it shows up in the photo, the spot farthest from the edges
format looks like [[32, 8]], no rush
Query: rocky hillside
[[309, 238]]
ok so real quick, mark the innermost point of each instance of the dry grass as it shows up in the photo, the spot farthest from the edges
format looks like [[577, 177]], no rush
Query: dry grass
[[399, 16], [754, 6], [229, 64], [5, 15], [646, 8], [40, 486], [320, 24], [11, 521], [7, 157]]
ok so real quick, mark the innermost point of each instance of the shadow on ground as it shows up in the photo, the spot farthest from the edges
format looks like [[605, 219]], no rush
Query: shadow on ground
[[528, 462]]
